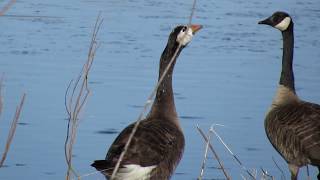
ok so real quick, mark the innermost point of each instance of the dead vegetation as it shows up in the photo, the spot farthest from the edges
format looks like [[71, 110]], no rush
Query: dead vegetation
[[14, 122], [251, 173], [209, 144], [76, 97], [7, 7]]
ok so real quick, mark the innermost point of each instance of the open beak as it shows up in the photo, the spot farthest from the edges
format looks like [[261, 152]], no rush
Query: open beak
[[195, 28]]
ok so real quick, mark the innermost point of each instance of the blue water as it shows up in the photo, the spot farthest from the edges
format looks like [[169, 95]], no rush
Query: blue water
[[227, 75]]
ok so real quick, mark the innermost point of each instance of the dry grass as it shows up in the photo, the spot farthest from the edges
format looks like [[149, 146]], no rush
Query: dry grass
[[207, 140], [75, 99], [141, 116], [13, 123], [251, 174], [203, 165], [12, 129]]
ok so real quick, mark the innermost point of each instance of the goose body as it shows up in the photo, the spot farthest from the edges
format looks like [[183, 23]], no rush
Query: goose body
[[154, 152], [158, 143], [291, 124]]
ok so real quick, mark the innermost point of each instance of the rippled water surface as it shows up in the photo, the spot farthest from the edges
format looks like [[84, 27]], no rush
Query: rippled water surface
[[227, 75]]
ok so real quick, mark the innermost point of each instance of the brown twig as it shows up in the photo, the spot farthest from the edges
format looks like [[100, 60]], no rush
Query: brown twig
[[75, 102], [205, 156], [192, 12], [146, 106], [214, 153], [12, 129], [7, 7]]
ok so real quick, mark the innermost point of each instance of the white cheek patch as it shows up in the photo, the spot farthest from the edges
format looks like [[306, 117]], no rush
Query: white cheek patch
[[284, 24], [185, 37]]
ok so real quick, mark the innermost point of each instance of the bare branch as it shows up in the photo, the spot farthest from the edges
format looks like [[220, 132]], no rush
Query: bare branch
[[205, 156], [12, 129], [146, 106], [66, 97], [7, 7], [75, 102], [214, 153], [192, 12], [233, 155]]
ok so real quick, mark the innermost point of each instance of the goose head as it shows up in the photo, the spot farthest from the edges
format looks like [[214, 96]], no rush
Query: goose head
[[279, 20], [183, 34]]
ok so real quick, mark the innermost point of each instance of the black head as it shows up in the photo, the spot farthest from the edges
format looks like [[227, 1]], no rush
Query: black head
[[183, 34], [279, 20]]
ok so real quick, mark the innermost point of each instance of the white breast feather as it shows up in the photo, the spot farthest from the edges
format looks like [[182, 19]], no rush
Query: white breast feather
[[134, 172]]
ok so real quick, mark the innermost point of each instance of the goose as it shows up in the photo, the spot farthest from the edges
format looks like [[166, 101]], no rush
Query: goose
[[158, 143], [291, 124]]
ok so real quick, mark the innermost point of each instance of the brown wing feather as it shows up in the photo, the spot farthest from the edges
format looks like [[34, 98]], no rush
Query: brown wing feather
[[156, 142], [294, 130]]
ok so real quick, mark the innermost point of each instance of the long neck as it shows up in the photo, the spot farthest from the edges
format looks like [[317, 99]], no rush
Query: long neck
[[287, 77], [163, 105], [286, 90]]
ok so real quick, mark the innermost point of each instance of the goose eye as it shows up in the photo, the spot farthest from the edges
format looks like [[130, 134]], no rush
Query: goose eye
[[184, 29], [276, 19]]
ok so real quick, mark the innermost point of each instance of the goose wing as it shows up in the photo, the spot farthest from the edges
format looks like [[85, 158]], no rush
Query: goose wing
[[294, 130], [152, 142]]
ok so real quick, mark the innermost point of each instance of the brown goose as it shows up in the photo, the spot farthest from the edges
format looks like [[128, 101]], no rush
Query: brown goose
[[292, 125], [158, 144]]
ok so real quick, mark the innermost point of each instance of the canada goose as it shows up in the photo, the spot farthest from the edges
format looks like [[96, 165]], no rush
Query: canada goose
[[158, 144], [292, 125]]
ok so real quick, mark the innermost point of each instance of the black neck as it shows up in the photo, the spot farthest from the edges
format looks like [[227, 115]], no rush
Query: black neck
[[163, 104], [287, 77]]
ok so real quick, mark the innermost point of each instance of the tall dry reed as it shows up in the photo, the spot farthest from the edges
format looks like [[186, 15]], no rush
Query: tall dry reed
[[14, 122], [75, 99], [4, 9]]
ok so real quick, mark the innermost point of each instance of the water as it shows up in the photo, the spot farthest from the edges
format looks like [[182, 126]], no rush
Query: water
[[227, 75]]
